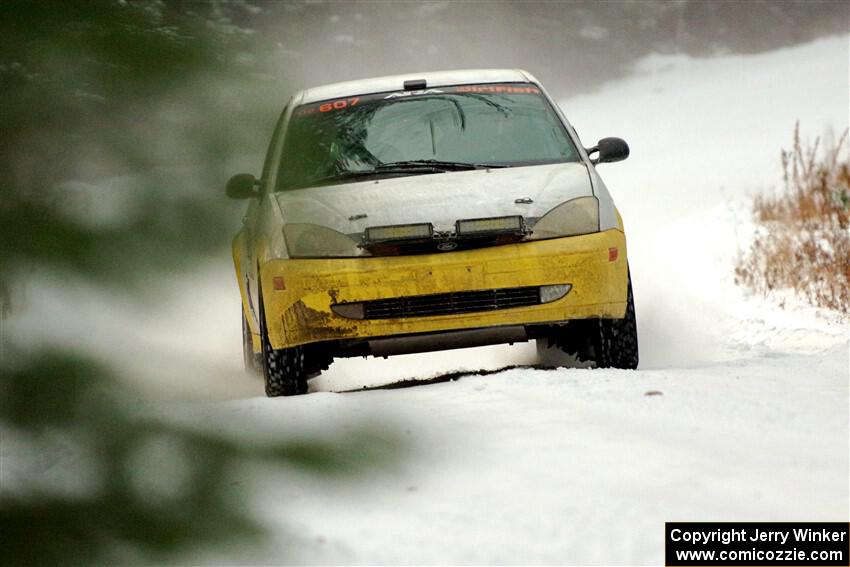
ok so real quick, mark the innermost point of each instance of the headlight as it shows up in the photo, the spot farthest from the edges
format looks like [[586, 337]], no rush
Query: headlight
[[305, 240], [577, 216]]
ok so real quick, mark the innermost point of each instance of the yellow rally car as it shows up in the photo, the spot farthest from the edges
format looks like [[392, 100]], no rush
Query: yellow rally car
[[425, 212]]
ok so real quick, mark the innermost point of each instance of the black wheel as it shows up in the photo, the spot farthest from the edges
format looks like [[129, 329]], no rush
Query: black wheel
[[253, 361], [608, 343], [617, 343], [284, 370]]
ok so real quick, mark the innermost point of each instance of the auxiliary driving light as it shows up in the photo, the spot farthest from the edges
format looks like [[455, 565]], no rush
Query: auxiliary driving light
[[399, 232], [550, 293], [490, 226]]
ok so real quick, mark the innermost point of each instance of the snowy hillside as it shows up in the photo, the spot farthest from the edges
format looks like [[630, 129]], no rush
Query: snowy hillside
[[739, 410]]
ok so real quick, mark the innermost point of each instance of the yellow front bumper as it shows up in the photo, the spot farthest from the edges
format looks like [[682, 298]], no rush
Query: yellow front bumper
[[301, 313]]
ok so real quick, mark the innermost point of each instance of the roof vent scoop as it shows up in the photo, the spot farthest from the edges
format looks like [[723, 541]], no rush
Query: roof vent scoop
[[415, 85]]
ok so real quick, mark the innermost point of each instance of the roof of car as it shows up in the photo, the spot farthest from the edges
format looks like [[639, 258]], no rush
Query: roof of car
[[396, 82]]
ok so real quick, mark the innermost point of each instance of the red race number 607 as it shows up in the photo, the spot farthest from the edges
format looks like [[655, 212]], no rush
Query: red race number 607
[[338, 104]]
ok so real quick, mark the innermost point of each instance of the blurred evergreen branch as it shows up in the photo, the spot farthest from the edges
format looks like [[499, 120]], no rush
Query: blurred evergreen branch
[[111, 171], [92, 90], [113, 498]]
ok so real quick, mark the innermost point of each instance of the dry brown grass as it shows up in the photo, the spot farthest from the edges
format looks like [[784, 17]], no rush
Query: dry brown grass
[[802, 241]]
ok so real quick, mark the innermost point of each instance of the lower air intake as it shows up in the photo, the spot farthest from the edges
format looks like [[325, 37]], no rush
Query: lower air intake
[[451, 303]]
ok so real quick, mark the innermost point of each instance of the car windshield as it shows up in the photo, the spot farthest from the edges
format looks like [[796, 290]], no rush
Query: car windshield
[[425, 131]]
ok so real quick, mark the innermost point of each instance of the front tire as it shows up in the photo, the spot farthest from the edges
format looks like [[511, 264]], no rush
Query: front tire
[[284, 370], [608, 343], [617, 343]]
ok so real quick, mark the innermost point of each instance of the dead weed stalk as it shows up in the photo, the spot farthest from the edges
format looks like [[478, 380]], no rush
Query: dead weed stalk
[[802, 238]]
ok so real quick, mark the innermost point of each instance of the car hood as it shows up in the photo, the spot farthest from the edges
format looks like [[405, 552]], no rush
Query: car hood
[[439, 198]]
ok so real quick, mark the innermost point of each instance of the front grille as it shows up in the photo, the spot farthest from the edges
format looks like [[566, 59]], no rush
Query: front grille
[[451, 303]]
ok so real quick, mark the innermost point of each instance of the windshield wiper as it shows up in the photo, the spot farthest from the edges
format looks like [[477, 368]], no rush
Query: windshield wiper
[[413, 167], [377, 171], [436, 164]]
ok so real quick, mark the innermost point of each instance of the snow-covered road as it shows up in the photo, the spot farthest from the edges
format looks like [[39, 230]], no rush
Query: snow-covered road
[[568, 466], [738, 412]]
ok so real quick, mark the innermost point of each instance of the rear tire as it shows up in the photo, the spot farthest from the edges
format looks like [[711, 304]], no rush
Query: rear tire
[[284, 370]]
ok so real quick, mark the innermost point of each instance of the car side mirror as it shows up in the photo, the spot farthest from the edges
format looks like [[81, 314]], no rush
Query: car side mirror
[[243, 186], [609, 150]]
